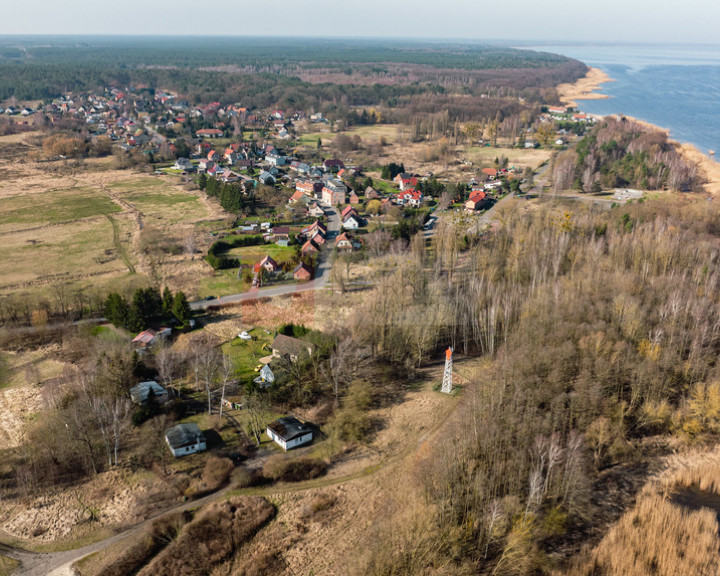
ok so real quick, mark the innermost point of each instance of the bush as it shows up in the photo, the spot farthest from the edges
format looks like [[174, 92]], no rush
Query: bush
[[280, 468]]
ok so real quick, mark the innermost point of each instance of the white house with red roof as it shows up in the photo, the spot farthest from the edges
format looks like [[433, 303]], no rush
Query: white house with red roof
[[409, 197]]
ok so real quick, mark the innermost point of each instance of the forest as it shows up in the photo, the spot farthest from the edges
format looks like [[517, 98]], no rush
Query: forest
[[620, 153], [263, 72]]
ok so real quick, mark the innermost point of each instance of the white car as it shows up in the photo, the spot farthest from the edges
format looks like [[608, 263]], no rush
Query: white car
[[244, 336]]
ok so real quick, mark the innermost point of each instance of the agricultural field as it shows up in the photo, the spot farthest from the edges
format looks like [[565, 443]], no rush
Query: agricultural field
[[91, 226]]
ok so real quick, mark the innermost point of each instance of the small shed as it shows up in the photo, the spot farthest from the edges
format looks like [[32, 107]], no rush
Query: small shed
[[289, 432], [140, 393], [185, 439]]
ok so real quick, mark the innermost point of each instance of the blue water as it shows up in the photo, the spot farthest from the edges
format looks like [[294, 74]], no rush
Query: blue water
[[676, 87]]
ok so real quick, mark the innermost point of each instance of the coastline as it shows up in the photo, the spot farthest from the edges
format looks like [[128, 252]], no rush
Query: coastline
[[584, 88]]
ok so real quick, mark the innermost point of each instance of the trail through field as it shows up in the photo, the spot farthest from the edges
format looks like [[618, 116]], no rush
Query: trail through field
[[118, 244]]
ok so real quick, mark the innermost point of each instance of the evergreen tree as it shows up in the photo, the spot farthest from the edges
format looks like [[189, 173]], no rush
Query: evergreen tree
[[202, 181], [167, 302], [181, 308], [117, 310]]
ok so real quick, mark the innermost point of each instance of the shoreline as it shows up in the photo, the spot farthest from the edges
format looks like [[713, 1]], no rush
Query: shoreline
[[584, 88]]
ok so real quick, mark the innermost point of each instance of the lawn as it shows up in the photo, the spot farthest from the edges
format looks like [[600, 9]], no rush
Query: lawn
[[221, 283], [253, 254], [246, 354]]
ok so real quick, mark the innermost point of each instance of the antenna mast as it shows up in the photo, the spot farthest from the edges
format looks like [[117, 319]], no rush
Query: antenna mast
[[447, 376]]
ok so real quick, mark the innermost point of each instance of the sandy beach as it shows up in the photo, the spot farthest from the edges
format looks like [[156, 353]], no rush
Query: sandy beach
[[584, 88]]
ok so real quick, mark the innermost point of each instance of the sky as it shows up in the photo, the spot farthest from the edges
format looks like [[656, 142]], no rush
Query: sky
[[688, 21]]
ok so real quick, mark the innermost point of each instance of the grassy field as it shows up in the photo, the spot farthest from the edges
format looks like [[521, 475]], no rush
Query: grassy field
[[253, 254], [57, 206], [517, 157], [97, 228]]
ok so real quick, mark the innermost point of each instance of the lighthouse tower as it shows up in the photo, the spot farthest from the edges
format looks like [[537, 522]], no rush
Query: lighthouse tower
[[447, 376]]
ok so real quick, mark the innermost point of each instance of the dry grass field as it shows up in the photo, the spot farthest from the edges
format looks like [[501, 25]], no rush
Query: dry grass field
[[91, 225]]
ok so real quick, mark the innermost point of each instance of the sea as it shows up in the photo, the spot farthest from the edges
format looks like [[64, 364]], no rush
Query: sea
[[676, 87]]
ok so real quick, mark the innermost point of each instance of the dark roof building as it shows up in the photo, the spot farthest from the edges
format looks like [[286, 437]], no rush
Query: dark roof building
[[289, 432]]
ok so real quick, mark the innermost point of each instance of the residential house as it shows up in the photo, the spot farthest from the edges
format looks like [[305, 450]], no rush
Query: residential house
[[491, 173], [185, 439], [149, 337], [409, 197], [297, 195], [213, 155], [406, 181], [333, 193], [333, 164], [309, 187], [205, 165], [344, 242], [348, 211], [141, 393], [318, 238], [315, 210], [352, 223], [209, 133], [291, 347], [229, 176], [354, 198], [371, 193], [183, 164], [289, 432], [269, 264], [302, 272], [281, 232], [309, 248], [275, 159], [267, 178]]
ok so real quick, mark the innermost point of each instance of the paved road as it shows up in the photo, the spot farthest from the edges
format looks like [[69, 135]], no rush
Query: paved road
[[322, 274]]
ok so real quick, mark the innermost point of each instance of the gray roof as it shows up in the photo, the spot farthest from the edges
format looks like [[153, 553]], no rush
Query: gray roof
[[184, 435], [289, 427], [141, 392]]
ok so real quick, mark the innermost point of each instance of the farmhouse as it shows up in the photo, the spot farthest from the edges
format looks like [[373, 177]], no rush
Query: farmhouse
[[289, 432], [185, 439], [140, 393], [289, 346]]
